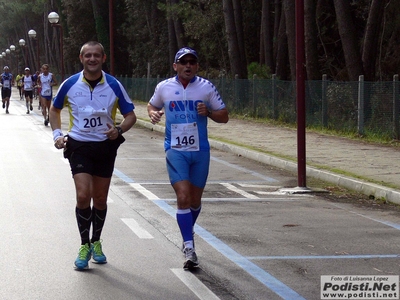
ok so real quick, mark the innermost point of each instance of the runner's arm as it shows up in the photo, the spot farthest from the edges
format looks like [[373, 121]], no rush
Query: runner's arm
[[128, 122], [154, 113], [55, 118], [219, 116]]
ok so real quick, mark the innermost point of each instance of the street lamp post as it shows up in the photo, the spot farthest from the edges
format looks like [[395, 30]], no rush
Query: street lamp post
[[111, 28], [8, 51], [53, 18], [22, 43], [12, 48], [4, 56], [32, 35]]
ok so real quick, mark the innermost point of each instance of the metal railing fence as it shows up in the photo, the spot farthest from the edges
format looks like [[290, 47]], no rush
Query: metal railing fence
[[364, 108]]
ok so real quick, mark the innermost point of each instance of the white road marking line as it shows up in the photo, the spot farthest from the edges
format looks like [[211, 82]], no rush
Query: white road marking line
[[286, 199], [259, 186], [280, 193], [137, 229], [194, 284], [145, 192], [239, 191]]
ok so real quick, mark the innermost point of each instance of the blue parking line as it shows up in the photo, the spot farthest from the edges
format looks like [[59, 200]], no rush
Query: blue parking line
[[122, 176], [258, 273], [261, 275]]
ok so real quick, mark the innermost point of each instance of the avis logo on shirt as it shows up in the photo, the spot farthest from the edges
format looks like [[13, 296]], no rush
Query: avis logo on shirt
[[183, 105]]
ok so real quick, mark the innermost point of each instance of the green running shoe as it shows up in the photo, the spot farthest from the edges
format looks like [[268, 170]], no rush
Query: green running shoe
[[82, 261], [97, 253]]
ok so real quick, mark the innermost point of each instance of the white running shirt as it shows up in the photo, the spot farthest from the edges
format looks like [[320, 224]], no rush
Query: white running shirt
[[45, 83], [28, 83], [91, 109], [185, 129]]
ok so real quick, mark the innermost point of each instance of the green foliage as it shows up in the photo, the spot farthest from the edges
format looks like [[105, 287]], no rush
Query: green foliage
[[77, 35], [142, 37], [204, 30], [261, 71], [147, 40]]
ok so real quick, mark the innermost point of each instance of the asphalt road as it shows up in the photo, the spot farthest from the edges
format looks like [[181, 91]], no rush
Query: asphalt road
[[253, 240]]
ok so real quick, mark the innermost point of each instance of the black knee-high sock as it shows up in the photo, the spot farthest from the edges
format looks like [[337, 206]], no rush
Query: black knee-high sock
[[98, 219], [84, 219]]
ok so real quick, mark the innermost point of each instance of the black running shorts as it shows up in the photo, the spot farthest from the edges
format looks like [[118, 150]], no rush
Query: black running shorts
[[5, 93], [94, 158]]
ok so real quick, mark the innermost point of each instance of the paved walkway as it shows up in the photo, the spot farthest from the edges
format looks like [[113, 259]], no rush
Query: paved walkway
[[368, 168]]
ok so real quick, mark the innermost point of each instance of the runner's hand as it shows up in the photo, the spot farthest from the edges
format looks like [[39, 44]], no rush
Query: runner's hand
[[155, 116]]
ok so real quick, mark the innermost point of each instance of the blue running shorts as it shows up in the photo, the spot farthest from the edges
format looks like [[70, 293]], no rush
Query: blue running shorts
[[48, 98], [188, 165]]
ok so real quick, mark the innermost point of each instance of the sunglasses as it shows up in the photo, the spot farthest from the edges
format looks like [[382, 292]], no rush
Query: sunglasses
[[184, 62]]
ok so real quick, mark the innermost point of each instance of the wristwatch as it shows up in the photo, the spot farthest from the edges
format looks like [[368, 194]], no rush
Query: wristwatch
[[120, 132]]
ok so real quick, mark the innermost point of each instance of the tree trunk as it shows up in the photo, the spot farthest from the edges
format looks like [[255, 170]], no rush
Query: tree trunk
[[265, 36], [233, 47], [172, 41], [282, 50], [371, 39], [349, 39], [237, 7], [101, 25], [311, 40], [277, 26], [179, 29], [290, 17]]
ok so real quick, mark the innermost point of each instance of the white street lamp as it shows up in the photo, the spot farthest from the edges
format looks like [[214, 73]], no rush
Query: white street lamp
[[22, 43], [32, 33], [32, 36], [53, 18]]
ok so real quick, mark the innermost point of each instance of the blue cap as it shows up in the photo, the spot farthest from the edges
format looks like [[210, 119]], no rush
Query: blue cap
[[184, 51]]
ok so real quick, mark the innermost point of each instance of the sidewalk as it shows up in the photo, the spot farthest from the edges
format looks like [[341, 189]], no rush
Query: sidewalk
[[327, 156]]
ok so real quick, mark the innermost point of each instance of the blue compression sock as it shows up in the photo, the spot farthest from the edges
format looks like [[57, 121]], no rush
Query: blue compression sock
[[185, 223], [195, 213]]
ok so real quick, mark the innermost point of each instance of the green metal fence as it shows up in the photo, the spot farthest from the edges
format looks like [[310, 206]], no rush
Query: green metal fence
[[364, 108]]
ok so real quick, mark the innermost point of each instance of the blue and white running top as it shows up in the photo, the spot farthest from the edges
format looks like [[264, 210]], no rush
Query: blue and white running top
[[91, 109], [6, 80], [28, 82], [185, 129], [46, 81]]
